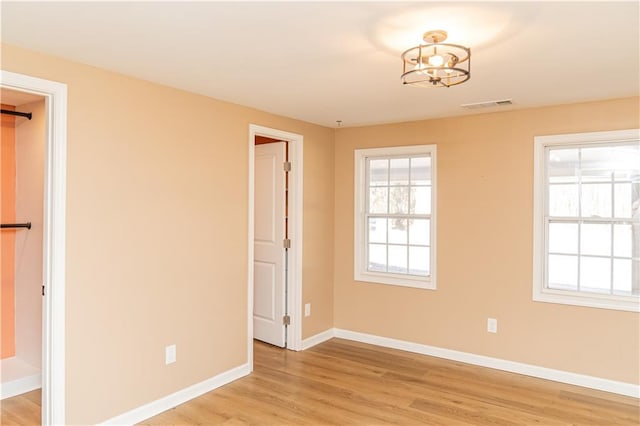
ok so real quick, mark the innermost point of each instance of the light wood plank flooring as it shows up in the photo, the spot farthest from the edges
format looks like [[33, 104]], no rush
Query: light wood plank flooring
[[23, 409], [341, 382]]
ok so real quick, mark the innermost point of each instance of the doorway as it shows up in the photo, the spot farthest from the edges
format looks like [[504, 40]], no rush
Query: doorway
[[52, 202], [21, 250], [289, 147], [271, 241]]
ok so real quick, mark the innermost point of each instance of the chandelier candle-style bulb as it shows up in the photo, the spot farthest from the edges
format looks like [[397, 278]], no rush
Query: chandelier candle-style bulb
[[436, 64], [436, 60]]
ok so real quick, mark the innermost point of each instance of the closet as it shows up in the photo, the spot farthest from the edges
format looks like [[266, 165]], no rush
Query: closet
[[22, 158]]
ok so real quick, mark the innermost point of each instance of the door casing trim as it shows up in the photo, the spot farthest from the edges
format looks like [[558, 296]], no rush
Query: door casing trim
[[54, 240], [294, 302]]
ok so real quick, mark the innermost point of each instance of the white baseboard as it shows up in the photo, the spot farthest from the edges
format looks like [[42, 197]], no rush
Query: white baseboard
[[20, 386], [607, 385], [317, 339], [156, 407], [163, 404]]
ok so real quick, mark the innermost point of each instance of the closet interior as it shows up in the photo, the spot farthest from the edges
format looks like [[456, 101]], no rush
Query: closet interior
[[22, 164]]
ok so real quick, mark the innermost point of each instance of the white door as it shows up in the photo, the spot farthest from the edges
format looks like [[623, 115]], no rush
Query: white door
[[269, 252]]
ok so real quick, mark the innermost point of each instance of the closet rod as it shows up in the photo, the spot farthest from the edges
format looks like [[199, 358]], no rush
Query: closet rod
[[21, 114], [15, 225]]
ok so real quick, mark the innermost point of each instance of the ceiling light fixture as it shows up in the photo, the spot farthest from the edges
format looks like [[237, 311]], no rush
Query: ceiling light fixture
[[436, 64]]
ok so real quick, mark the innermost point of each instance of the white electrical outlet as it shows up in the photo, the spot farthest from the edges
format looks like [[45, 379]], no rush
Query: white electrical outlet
[[170, 354], [492, 325], [307, 309]]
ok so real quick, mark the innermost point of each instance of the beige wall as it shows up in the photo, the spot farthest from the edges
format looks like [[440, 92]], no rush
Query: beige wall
[[30, 146], [157, 246], [157, 234], [485, 201]]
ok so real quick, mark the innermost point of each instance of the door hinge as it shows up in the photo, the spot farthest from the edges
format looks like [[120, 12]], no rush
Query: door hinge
[[286, 243], [286, 320], [43, 290], [287, 166]]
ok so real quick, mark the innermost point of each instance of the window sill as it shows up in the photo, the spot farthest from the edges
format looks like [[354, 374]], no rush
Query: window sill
[[591, 300], [397, 280]]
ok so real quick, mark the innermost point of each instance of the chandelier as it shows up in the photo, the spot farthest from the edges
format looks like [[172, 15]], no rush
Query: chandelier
[[436, 64]]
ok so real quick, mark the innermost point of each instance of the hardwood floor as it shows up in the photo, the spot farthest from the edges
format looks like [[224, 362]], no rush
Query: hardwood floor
[[23, 409], [341, 382]]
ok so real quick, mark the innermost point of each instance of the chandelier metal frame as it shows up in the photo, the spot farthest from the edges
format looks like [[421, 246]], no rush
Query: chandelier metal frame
[[436, 64]]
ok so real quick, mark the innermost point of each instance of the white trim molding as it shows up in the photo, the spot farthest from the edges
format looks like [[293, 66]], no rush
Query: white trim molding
[[156, 407], [54, 240], [163, 404], [18, 377], [316, 339], [361, 189], [541, 292], [20, 386], [592, 382], [295, 193]]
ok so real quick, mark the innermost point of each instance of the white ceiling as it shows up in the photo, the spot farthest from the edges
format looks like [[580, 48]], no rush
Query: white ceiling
[[327, 61]]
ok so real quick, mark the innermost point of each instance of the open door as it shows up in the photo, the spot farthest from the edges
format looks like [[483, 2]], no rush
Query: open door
[[269, 279]]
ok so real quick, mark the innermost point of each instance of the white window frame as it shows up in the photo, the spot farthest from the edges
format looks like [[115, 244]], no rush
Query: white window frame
[[360, 190], [541, 292]]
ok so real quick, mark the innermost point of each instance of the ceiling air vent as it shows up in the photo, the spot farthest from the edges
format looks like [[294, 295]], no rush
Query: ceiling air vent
[[487, 104]]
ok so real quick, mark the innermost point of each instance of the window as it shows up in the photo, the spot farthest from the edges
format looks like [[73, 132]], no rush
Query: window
[[395, 215], [587, 219]]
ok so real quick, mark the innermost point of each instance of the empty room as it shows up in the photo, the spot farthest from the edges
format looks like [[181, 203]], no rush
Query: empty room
[[321, 213]]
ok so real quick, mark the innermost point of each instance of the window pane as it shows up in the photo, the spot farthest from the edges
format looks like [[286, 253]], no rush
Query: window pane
[[563, 238], [622, 194], [563, 200], [596, 200], [563, 165], [399, 169], [377, 230], [398, 259], [421, 171], [595, 165], [378, 172], [398, 231], [595, 239], [622, 276], [377, 258], [378, 200], [395, 185], [399, 199], [592, 194], [563, 272], [596, 176], [622, 240], [419, 261], [619, 161], [419, 231], [421, 200], [595, 274], [628, 162]]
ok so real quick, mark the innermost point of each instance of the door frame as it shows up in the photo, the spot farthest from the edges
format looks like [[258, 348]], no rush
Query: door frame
[[294, 275], [54, 239]]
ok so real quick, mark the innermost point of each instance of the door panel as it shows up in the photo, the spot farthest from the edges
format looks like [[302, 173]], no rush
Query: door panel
[[269, 253], [264, 291]]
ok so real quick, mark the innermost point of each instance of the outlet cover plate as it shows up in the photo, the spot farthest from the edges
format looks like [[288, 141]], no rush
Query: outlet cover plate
[[170, 354], [492, 325]]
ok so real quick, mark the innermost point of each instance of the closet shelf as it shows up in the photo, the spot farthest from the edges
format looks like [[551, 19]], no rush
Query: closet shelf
[[15, 225]]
